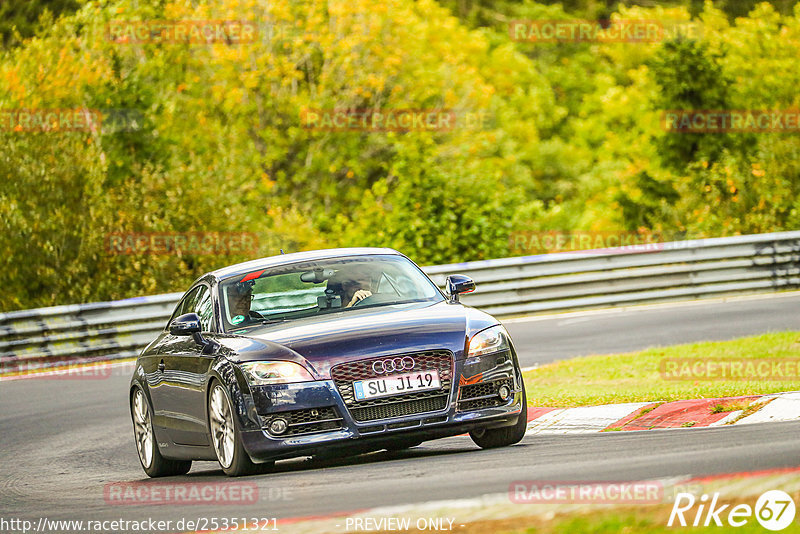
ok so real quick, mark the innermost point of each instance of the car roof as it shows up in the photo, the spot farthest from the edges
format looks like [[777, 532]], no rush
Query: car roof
[[285, 259]]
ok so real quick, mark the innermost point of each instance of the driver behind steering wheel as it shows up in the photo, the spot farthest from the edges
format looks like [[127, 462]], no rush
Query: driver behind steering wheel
[[356, 285], [240, 296]]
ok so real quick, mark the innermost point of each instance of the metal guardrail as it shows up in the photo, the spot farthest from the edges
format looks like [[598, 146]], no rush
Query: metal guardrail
[[678, 270]]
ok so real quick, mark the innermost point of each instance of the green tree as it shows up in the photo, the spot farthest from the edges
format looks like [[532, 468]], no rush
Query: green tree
[[689, 78], [20, 19]]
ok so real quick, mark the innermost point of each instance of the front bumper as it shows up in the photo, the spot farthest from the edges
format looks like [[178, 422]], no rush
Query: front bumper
[[321, 418]]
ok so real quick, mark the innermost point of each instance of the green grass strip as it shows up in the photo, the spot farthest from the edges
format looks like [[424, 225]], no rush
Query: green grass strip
[[640, 376]]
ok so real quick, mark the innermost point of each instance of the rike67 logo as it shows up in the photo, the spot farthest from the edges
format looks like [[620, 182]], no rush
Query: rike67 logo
[[774, 510]]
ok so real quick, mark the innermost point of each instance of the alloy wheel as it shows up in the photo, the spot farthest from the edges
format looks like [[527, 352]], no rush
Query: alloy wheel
[[222, 426], [142, 428]]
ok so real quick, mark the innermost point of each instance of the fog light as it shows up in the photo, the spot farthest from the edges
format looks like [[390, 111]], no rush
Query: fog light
[[278, 426], [504, 392]]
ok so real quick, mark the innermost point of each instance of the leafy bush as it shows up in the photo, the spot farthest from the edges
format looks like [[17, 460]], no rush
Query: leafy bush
[[559, 136]]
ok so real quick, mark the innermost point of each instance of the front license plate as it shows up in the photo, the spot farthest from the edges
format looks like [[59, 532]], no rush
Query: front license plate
[[396, 384]]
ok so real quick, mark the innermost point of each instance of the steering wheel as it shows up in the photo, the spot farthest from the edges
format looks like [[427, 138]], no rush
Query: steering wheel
[[360, 302]]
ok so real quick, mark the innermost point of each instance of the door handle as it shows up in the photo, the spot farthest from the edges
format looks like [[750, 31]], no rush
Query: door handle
[[161, 366]]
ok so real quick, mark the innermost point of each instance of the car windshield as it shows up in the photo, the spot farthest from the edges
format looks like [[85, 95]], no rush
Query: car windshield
[[321, 287]]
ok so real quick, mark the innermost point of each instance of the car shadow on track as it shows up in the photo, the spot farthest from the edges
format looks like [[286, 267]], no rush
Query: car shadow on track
[[296, 465]]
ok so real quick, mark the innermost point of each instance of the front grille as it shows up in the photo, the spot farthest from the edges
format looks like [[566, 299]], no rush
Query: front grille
[[308, 421], [482, 395], [479, 404], [399, 409], [344, 374]]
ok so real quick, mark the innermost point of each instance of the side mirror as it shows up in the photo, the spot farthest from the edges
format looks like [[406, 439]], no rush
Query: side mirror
[[458, 284], [185, 325], [188, 324]]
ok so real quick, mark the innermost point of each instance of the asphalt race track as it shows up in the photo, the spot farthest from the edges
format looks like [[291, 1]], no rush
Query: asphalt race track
[[546, 339], [63, 441]]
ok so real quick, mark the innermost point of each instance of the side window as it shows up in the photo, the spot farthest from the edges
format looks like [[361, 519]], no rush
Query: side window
[[185, 305], [205, 309]]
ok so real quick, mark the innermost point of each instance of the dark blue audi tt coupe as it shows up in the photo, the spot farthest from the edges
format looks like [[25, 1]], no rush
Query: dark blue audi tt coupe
[[316, 353]]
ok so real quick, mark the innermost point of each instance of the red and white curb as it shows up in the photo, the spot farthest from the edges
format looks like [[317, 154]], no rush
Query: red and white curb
[[657, 415], [582, 420]]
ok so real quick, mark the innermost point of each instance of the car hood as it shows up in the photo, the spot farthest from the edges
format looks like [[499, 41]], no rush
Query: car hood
[[319, 343]]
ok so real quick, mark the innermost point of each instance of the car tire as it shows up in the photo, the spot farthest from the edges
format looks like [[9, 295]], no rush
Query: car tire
[[153, 463], [490, 438], [225, 437]]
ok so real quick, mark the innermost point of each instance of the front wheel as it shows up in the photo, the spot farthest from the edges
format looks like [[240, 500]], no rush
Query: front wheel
[[490, 438], [231, 455], [150, 457]]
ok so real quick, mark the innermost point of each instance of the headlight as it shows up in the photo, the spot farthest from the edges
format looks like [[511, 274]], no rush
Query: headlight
[[263, 373], [490, 340]]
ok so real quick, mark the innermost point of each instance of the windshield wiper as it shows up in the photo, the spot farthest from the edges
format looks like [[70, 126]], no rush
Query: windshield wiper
[[273, 321], [392, 303]]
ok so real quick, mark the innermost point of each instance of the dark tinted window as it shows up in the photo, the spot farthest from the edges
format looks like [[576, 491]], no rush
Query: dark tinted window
[[186, 304], [204, 308]]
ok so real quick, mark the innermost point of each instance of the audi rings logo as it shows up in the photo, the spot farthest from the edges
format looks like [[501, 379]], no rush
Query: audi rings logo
[[406, 363]]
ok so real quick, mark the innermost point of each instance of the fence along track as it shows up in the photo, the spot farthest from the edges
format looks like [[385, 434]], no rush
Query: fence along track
[[505, 287]]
